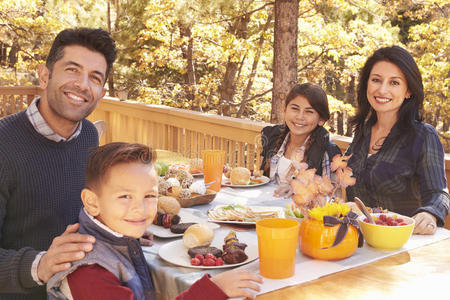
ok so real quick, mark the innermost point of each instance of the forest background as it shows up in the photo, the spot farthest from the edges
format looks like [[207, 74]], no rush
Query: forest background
[[223, 56]]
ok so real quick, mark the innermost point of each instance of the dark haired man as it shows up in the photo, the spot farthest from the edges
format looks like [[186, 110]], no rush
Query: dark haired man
[[43, 154]]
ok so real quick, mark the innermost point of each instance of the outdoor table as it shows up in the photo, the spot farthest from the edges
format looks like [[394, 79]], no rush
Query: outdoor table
[[369, 273]]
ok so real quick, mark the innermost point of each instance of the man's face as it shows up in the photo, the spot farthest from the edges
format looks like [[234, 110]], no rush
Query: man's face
[[74, 86]]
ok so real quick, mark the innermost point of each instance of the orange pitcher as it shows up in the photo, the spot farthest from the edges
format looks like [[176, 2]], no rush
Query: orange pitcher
[[213, 161]]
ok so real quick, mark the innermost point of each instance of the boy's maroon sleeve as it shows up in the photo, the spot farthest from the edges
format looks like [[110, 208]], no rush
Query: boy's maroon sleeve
[[203, 289], [95, 282]]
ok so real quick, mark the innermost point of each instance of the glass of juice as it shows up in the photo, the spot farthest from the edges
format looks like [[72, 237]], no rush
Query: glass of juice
[[213, 161]]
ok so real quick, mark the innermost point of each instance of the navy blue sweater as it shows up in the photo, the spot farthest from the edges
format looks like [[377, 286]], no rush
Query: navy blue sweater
[[40, 185]]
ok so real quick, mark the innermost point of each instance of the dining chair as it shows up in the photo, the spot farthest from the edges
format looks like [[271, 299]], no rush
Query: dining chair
[[101, 127]]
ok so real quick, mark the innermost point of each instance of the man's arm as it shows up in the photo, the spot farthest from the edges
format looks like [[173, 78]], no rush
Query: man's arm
[[16, 265]]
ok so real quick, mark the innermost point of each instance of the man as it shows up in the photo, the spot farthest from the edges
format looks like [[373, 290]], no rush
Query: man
[[43, 153]]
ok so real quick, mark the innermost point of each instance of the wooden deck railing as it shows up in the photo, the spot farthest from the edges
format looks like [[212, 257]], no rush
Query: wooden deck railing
[[178, 130]]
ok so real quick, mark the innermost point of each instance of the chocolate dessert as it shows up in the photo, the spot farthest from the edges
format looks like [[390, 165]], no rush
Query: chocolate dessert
[[203, 250], [180, 228]]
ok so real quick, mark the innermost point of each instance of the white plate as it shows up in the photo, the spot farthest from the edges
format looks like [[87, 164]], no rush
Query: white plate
[[226, 182], [176, 253], [186, 217], [280, 211]]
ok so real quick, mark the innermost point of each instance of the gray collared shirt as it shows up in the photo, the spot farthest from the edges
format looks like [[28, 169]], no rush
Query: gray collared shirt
[[42, 126]]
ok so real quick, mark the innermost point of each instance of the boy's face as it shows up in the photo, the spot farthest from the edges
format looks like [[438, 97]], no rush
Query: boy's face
[[127, 202]]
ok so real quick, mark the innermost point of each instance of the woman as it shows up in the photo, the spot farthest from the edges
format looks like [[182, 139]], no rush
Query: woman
[[398, 160], [305, 112]]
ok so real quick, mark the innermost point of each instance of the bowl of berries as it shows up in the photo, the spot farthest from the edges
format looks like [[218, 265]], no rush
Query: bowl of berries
[[390, 231]]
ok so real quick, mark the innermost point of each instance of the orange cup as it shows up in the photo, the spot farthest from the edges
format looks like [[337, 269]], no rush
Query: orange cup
[[277, 246], [213, 161]]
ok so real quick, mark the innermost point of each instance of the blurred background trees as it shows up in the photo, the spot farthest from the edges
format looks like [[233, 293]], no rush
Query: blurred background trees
[[224, 56]]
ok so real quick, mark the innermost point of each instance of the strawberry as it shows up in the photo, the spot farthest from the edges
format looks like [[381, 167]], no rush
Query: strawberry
[[209, 262], [210, 255], [195, 262], [200, 258], [219, 261]]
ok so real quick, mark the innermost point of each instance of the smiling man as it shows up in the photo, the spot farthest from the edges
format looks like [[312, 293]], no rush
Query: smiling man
[[43, 154]]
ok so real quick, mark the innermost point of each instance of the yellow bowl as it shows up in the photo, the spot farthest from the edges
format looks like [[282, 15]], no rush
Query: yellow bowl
[[385, 237]]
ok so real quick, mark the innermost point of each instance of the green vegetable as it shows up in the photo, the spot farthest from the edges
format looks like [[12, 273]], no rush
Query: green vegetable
[[297, 213], [288, 211], [232, 206], [292, 213], [162, 168]]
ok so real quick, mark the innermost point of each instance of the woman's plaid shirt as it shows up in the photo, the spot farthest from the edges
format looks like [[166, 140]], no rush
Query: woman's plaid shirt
[[406, 176]]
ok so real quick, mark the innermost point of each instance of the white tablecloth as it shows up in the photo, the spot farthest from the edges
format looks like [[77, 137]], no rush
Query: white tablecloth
[[170, 280]]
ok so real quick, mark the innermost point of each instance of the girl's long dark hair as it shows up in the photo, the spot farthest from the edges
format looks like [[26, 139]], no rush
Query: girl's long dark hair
[[411, 109], [317, 98]]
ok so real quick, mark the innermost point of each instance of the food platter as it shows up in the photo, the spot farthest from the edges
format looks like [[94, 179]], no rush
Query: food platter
[[186, 217], [176, 253], [264, 179], [239, 214]]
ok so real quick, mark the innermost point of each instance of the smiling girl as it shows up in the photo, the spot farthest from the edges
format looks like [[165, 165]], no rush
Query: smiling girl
[[397, 159], [305, 112]]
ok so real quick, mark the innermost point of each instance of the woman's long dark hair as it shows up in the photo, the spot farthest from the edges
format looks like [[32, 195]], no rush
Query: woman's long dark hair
[[317, 98], [411, 108]]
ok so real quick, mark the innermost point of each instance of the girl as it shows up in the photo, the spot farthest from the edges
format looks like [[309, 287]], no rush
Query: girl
[[305, 112]]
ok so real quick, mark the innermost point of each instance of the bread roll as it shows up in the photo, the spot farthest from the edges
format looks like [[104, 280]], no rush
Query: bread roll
[[168, 205], [240, 176], [198, 235]]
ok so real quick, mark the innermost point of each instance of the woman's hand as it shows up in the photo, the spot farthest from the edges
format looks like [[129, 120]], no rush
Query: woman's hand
[[425, 223]]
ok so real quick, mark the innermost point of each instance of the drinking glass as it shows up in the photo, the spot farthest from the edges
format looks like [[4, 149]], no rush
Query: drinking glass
[[213, 161], [277, 247]]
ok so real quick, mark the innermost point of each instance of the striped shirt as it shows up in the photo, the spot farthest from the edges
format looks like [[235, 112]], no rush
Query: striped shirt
[[42, 126], [404, 176]]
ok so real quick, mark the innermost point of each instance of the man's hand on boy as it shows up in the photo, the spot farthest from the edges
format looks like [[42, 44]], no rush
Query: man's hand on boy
[[235, 283], [69, 246], [146, 239]]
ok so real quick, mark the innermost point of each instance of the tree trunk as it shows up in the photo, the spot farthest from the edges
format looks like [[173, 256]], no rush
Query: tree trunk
[[251, 78], [227, 88], [340, 123], [187, 51], [12, 57], [111, 91], [285, 54], [350, 93]]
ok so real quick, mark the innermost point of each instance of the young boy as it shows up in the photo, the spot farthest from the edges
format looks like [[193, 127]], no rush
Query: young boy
[[120, 202]]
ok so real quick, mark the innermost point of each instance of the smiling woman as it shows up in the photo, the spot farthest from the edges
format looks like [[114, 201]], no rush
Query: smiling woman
[[397, 159]]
